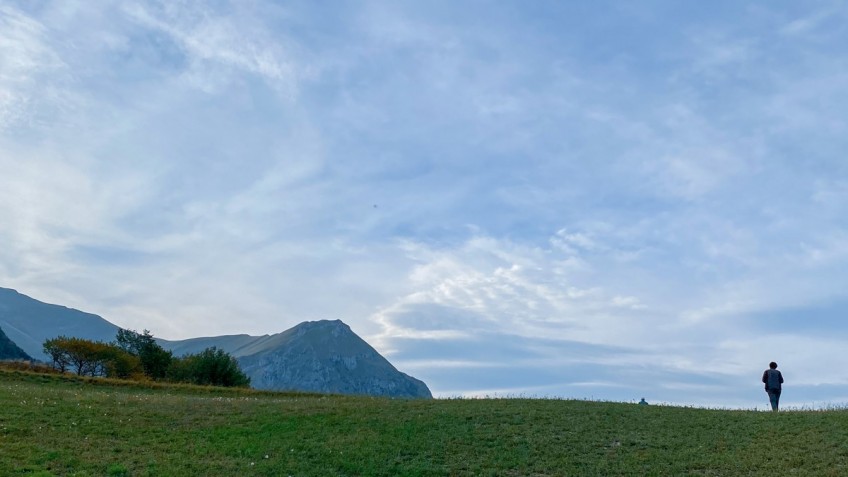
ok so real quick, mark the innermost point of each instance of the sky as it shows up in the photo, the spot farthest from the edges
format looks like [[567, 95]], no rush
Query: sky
[[596, 200]]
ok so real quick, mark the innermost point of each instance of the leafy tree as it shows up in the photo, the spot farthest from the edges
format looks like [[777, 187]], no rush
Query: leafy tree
[[57, 353], [180, 370], [80, 354], [93, 358], [154, 359], [211, 366]]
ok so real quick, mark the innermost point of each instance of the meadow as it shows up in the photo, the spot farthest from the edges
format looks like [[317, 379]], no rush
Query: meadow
[[62, 425]]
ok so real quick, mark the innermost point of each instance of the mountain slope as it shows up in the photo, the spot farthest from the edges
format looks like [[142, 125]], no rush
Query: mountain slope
[[233, 344], [327, 357], [9, 350], [29, 322]]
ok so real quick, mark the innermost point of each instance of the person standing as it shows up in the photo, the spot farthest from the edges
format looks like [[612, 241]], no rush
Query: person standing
[[773, 380]]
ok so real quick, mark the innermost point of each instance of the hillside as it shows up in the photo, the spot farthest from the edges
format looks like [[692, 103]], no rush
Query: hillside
[[9, 350], [29, 322], [62, 426]]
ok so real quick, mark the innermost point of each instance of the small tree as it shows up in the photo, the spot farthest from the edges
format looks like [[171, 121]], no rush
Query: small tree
[[154, 359], [83, 355], [58, 356]]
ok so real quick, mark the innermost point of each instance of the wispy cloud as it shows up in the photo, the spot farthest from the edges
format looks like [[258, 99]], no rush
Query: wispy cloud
[[31, 73], [214, 42], [813, 22]]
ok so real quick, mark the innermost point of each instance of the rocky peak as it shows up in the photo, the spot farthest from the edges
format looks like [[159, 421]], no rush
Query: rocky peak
[[327, 356]]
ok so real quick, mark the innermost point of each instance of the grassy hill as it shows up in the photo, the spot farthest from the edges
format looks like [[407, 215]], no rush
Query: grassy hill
[[61, 425]]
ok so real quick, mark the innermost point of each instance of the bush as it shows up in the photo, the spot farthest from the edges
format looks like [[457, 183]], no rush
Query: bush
[[212, 366], [31, 366], [124, 365]]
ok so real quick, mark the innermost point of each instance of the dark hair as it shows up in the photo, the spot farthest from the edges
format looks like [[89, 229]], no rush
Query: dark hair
[[773, 365]]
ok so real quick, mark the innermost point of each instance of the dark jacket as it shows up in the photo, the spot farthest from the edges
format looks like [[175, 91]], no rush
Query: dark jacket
[[772, 379]]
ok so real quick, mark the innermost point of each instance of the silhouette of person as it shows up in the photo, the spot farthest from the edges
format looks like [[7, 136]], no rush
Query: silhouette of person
[[773, 380], [643, 402]]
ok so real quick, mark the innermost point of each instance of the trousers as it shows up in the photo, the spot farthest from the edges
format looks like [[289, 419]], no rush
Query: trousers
[[774, 398]]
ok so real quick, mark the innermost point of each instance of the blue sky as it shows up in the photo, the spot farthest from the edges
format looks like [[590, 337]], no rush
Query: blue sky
[[580, 199]]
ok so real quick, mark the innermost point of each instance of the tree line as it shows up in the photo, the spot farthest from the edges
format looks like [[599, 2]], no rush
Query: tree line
[[138, 356]]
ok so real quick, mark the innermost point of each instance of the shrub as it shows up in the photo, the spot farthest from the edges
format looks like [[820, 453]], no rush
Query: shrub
[[31, 366], [211, 366]]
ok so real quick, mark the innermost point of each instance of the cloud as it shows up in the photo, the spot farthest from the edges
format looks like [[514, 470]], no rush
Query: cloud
[[492, 286], [811, 21], [215, 42], [29, 65]]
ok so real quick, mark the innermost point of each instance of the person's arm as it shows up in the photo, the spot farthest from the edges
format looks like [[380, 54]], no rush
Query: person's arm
[[781, 376], [765, 377]]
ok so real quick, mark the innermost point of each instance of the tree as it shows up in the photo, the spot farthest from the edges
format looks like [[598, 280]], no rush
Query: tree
[[80, 354], [154, 359], [92, 358], [211, 366], [56, 351]]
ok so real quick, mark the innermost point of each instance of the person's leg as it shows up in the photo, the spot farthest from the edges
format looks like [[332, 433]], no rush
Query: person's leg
[[773, 399], [776, 399]]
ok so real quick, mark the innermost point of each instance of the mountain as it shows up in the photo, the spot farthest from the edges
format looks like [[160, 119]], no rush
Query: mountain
[[316, 356], [9, 350], [29, 322], [326, 357]]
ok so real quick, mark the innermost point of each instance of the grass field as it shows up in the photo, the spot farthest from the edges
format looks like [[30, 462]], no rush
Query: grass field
[[55, 425]]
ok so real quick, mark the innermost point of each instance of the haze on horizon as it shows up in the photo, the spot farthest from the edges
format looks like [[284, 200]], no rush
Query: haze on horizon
[[603, 200]]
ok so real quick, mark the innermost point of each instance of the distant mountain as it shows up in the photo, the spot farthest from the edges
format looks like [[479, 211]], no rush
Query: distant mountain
[[316, 356], [9, 350], [319, 356], [29, 322], [327, 357]]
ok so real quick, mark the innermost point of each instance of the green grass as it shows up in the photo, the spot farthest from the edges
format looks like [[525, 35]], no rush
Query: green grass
[[59, 425]]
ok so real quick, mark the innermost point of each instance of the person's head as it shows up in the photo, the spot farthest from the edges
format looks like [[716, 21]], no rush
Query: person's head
[[773, 365]]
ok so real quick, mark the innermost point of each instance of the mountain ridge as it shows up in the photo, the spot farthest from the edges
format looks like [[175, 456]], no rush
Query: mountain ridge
[[316, 356], [29, 322]]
